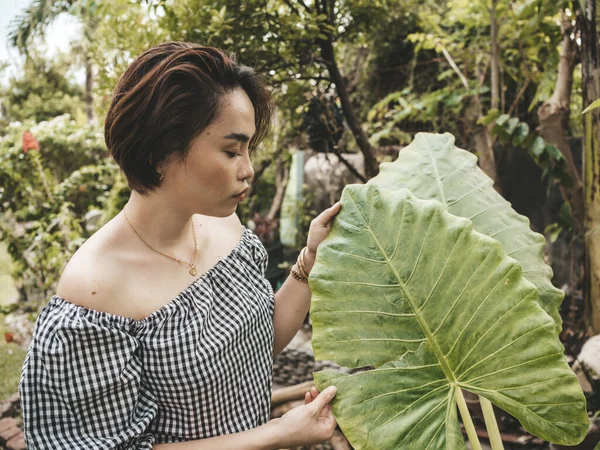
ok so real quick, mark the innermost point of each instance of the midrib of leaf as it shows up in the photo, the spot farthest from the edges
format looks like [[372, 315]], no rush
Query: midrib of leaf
[[437, 177], [422, 323]]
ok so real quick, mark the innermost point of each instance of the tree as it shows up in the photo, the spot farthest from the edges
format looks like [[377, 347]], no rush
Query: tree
[[293, 41], [41, 92], [35, 19], [554, 115], [590, 59]]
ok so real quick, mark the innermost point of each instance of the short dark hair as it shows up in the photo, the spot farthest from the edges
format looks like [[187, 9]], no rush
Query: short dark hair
[[166, 98]]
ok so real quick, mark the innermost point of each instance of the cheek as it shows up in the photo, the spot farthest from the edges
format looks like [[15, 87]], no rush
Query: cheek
[[210, 175]]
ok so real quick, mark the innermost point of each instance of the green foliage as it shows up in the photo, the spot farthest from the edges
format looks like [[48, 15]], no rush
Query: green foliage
[[565, 222], [460, 29], [594, 105], [388, 118], [510, 130], [41, 92], [441, 307], [45, 196]]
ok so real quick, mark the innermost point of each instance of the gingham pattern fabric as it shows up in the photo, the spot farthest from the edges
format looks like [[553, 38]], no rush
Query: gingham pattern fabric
[[201, 366]]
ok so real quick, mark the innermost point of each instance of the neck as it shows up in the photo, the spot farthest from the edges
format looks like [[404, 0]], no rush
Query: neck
[[162, 223]]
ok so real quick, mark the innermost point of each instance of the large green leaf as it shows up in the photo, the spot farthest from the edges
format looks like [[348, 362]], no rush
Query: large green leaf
[[401, 284], [431, 167]]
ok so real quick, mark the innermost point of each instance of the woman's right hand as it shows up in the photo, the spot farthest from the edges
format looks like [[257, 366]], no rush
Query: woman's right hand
[[311, 423]]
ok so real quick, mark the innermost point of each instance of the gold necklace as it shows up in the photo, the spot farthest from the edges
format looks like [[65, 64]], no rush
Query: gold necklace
[[192, 266]]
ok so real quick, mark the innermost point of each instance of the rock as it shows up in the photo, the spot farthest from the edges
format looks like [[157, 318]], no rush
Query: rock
[[17, 443], [8, 429], [6, 424], [590, 354], [589, 357], [9, 406], [22, 328]]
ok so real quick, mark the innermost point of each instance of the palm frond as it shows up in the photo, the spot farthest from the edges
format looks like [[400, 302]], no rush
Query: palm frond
[[34, 20]]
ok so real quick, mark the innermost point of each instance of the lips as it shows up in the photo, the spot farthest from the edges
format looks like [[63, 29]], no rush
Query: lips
[[240, 193]]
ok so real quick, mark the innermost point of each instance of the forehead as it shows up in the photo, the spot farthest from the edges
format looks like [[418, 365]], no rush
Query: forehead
[[235, 114]]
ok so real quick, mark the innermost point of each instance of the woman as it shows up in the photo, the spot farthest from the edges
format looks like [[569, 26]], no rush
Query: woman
[[163, 328]]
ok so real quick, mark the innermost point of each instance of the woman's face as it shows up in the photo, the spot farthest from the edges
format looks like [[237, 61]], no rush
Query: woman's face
[[218, 165]]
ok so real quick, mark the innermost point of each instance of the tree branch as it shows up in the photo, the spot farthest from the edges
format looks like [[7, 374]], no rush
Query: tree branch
[[292, 7], [350, 167], [305, 6], [454, 66]]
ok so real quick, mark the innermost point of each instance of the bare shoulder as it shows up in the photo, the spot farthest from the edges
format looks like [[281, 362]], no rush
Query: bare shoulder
[[92, 275], [104, 275]]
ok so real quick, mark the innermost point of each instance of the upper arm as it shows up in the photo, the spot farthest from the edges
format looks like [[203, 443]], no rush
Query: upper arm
[[88, 282]]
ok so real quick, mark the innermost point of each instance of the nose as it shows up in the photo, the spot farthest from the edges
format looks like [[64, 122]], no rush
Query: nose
[[247, 171]]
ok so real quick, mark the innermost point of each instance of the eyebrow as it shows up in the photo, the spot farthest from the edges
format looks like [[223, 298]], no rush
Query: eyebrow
[[240, 137]]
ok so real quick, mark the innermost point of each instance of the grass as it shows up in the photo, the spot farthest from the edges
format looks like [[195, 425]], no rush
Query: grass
[[11, 355], [7, 289]]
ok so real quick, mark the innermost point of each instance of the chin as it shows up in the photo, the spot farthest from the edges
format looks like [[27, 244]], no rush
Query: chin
[[225, 212]]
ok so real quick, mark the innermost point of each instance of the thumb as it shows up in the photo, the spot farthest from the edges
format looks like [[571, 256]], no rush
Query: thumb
[[323, 398]]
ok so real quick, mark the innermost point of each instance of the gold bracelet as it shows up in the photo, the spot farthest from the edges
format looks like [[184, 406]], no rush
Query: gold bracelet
[[296, 274], [301, 264]]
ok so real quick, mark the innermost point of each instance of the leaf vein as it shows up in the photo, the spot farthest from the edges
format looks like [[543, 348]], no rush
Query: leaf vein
[[506, 346], [493, 325], [443, 271], [512, 367], [408, 407], [480, 306], [475, 189]]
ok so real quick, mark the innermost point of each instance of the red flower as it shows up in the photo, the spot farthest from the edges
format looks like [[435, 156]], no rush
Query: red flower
[[8, 337], [29, 142]]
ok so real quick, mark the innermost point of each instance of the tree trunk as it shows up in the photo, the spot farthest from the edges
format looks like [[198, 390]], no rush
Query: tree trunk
[[495, 55], [282, 176], [89, 99], [371, 164], [328, 57], [481, 139], [554, 117], [591, 91]]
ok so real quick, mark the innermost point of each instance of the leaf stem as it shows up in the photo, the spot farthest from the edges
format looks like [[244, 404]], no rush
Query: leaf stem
[[491, 424], [466, 418]]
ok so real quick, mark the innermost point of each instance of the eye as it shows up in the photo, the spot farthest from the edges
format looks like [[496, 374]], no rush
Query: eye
[[232, 154]]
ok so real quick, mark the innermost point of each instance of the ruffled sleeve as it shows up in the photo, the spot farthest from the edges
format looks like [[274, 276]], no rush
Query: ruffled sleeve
[[259, 253], [81, 385]]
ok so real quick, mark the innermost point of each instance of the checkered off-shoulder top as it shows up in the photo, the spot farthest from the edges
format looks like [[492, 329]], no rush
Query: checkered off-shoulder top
[[198, 367]]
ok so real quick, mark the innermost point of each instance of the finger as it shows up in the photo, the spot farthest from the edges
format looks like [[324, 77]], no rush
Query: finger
[[307, 398], [328, 214], [314, 392], [333, 210], [324, 398]]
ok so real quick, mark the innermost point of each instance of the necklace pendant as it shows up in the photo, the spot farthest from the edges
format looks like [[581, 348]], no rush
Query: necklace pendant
[[193, 271]]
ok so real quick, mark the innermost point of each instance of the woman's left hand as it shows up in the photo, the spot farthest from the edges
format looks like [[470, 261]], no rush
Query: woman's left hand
[[318, 231]]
